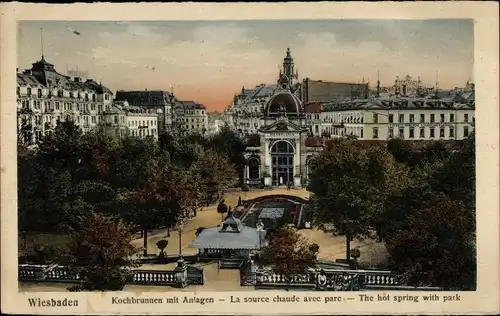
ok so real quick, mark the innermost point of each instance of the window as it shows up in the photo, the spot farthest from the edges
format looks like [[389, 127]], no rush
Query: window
[[93, 119], [57, 105], [466, 117], [422, 132], [116, 119], [412, 118], [361, 132], [441, 119], [106, 97], [432, 133], [422, 118], [452, 132], [93, 97], [59, 93], [39, 93], [391, 133], [375, 118], [452, 117], [29, 91], [401, 133], [432, 118], [441, 132], [412, 132], [401, 118], [466, 131], [391, 118]]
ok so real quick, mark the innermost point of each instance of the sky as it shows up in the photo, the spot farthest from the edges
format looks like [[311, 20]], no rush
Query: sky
[[210, 61]]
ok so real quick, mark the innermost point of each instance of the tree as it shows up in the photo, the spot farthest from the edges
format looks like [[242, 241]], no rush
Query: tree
[[99, 151], [350, 185], [101, 253], [214, 173], [436, 245], [288, 253], [61, 149], [231, 146], [163, 199]]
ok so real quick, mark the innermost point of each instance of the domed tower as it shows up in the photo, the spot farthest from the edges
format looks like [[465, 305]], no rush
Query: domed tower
[[286, 78]]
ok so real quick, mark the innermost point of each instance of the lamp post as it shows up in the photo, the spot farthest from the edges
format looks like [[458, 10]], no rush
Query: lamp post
[[180, 229], [260, 230]]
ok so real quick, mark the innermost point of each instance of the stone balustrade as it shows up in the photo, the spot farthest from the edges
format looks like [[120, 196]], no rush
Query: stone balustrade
[[62, 274], [335, 279], [154, 277]]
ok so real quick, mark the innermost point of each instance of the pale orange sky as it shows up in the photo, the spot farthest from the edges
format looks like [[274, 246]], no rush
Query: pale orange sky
[[209, 61]]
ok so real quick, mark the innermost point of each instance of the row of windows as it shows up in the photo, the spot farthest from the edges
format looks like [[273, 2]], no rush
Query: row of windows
[[192, 120], [60, 93], [432, 118], [78, 119], [66, 106], [421, 134], [144, 123], [143, 132], [194, 126]]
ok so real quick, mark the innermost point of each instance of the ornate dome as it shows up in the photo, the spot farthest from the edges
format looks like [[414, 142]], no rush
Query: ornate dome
[[284, 102]]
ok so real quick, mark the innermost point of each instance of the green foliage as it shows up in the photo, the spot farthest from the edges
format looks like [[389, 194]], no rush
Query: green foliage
[[101, 253], [351, 185], [436, 245], [419, 199], [287, 252]]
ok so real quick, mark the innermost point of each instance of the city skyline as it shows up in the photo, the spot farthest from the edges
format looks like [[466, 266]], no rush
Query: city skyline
[[209, 61]]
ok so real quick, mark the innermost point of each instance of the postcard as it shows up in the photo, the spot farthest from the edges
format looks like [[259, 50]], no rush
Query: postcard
[[272, 158]]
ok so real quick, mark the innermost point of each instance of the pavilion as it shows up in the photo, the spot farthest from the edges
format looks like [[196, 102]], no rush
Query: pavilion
[[231, 242]]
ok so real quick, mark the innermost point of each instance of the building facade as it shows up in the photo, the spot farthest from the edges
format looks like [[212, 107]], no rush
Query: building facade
[[280, 152], [191, 117], [139, 122], [45, 97], [159, 101], [285, 134], [387, 118]]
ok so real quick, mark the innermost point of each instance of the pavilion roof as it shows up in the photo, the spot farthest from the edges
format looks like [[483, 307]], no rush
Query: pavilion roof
[[231, 235]]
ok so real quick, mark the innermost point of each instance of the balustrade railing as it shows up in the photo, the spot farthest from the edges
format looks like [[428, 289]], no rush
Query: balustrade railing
[[335, 279], [57, 273], [62, 274], [154, 277]]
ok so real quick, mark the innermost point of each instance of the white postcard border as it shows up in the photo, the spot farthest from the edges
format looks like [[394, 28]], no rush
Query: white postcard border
[[485, 14]]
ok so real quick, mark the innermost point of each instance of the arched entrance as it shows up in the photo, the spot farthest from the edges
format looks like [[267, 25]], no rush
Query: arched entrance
[[282, 153], [253, 171]]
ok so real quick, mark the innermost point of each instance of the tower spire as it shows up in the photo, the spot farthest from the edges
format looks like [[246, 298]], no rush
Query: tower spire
[[41, 40]]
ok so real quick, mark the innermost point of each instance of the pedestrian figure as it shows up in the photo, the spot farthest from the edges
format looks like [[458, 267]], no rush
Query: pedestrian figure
[[321, 281], [289, 185]]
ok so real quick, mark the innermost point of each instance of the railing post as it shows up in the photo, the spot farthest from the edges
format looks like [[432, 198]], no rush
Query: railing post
[[181, 274]]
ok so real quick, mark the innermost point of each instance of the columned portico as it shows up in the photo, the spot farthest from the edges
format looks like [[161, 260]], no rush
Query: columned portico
[[281, 150]]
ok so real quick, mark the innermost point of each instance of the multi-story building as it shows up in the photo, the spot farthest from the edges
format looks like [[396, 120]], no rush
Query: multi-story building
[[386, 118], [285, 134], [45, 97], [191, 117], [152, 100], [139, 122], [245, 114]]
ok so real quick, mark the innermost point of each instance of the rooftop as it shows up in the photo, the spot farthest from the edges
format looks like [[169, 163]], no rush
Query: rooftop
[[44, 74], [233, 234]]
